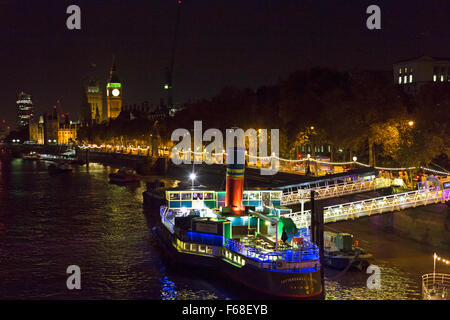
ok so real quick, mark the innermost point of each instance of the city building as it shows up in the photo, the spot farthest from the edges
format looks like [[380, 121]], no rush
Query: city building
[[113, 93], [24, 109], [67, 133], [53, 129], [145, 111], [36, 131], [413, 73], [51, 126], [93, 101]]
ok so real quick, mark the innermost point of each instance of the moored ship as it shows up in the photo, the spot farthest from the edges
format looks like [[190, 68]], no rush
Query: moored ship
[[33, 156], [60, 167], [341, 252], [243, 234], [124, 175]]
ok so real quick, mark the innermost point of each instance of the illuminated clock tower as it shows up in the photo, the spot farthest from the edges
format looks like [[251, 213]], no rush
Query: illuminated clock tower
[[113, 93]]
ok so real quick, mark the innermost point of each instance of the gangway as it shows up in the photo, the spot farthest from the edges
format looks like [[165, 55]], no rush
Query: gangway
[[336, 190], [368, 207], [355, 181]]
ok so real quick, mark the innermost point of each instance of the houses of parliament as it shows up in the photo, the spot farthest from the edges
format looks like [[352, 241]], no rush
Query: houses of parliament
[[94, 110]]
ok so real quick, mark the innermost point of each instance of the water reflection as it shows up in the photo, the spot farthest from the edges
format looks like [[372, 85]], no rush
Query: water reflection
[[395, 285], [50, 222]]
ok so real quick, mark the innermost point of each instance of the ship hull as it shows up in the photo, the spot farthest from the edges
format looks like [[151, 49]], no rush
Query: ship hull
[[274, 283], [153, 199], [341, 263]]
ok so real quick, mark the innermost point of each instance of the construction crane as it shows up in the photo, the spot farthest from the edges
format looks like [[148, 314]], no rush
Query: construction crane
[[169, 69]]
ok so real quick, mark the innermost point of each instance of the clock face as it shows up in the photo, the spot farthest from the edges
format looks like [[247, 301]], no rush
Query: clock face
[[115, 92]]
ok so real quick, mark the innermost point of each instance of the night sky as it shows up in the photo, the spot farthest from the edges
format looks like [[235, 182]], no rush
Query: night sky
[[245, 43]]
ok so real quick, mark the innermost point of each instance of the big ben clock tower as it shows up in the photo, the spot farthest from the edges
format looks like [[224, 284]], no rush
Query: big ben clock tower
[[113, 93]]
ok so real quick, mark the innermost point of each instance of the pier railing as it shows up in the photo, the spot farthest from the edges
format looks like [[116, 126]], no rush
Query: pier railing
[[357, 209], [297, 195], [436, 286], [329, 191], [308, 252]]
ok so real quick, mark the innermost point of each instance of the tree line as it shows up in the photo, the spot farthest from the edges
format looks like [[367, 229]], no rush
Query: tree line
[[361, 114]]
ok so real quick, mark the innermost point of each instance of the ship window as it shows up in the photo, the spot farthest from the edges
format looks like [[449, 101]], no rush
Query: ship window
[[208, 196], [186, 196], [275, 195], [245, 196], [194, 247], [197, 196], [201, 249], [174, 196], [253, 196], [209, 250], [186, 246]]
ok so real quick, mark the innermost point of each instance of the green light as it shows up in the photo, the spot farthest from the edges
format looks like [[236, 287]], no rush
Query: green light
[[166, 86], [114, 85]]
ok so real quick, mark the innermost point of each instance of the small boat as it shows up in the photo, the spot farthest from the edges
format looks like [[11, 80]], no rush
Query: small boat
[[33, 156], [341, 253], [124, 175], [60, 167]]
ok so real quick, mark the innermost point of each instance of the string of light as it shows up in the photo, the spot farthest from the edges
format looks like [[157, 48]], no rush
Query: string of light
[[446, 261], [286, 160]]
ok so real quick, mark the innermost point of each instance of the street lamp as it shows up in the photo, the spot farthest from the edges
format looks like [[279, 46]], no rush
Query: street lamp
[[192, 176], [411, 123], [355, 158]]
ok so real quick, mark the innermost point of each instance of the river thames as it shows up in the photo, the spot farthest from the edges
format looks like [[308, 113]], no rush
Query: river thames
[[50, 222]]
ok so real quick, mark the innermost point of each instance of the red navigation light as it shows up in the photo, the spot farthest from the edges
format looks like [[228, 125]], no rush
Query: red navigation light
[[54, 107], [4, 121], [179, 1]]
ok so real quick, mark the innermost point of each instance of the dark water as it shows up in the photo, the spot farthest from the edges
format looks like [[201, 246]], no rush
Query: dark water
[[50, 222]]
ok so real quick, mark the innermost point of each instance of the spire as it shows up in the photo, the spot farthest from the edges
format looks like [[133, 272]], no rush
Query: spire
[[113, 78]]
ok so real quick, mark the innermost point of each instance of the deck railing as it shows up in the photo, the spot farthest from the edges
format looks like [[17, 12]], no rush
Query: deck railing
[[436, 286], [308, 252]]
